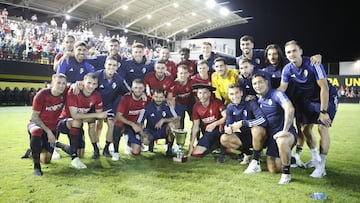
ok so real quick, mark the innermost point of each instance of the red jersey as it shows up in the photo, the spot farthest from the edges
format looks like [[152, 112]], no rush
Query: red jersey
[[208, 115], [154, 83], [131, 109], [183, 94], [191, 64], [171, 68], [82, 103], [49, 107], [196, 79]]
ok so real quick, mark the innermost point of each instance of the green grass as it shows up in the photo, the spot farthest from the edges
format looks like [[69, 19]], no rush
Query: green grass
[[153, 178]]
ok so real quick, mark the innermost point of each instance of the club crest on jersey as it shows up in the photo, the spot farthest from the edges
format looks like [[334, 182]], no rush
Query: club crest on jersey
[[81, 70], [163, 114], [257, 61], [245, 113], [113, 85], [306, 73], [270, 102], [143, 70]]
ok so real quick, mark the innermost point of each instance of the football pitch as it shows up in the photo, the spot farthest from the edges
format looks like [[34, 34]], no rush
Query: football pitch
[[152, 177]]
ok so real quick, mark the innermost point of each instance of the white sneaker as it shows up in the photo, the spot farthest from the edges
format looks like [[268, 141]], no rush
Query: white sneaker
[[312, 163], [319, 172], [115, 156], [55, 154], [298, 162], [254, 167], [246, 160], [285, 179], [111, 149], [76, 163]]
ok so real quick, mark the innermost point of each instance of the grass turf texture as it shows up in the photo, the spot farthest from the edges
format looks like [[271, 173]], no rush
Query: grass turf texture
[[153, 178]]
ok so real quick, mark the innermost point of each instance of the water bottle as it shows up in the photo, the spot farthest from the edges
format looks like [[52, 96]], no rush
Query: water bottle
[[318, 196]]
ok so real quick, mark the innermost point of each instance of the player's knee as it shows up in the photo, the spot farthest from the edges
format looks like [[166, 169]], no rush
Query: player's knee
[[36, 131]]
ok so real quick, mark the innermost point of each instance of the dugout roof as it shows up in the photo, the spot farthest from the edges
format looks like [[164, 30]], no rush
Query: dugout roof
[[161, 19]]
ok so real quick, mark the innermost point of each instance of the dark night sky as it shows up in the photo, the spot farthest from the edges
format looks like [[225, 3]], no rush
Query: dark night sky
[[328, 28]]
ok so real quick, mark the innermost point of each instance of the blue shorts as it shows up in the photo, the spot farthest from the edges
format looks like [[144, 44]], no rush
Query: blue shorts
[[62, 128], [157, 134], [134, 138], [308, 112], [272, 148], [44, 138], [210, 140]]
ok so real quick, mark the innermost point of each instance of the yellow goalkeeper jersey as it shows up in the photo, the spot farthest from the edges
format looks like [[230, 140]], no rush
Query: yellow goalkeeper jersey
[[221, 84]]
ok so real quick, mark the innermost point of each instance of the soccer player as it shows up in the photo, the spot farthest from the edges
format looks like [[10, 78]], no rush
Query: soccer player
[[160, 119], [209, 55], [76, 68], [256, 56], [208, 116], [47, 106], [184, 59], [315, 102], [244, 126], [222, 78], [182, 91], [129, 112], [158, 78], [113, 47], [282, 135], [170, 65], [111, 87], [79, 109], [247, 70], [203, 76], [69, 41], [136, 67]]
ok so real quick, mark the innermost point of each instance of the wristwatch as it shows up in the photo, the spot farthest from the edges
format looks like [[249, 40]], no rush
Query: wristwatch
[[323, 112]]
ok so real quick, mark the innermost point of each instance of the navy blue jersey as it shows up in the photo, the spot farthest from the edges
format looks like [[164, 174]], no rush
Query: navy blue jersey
[[99, 61], [110, 90], [74, 70], [248, 111], [131, 70], [153, 114], [258, 58], [271, 106], [246, 84]]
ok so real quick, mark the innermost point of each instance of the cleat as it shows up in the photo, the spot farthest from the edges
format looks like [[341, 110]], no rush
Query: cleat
[[319, 172], [115, 157], [312, 163], [254, 167], [55, 154], [76, 163], [106, 152], [216, 151], [246, 160], [28, 154], [111, 149], [220, 159], [38, 172], [285, 179], [298, 162], [95, 155]]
